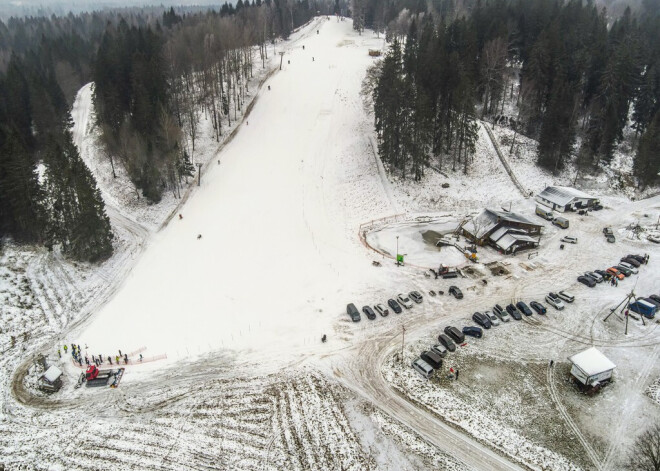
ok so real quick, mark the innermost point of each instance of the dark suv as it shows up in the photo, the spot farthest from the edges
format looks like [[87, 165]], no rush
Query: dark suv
[[446, 342], [515, 313], [353, 312], [455, 334], [523, 308], [482, 320], [458, 294], [394, 305]]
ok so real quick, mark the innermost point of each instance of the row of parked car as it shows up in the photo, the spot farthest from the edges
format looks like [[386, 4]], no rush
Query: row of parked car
[[431, 360], [405, 300], [627, 266]]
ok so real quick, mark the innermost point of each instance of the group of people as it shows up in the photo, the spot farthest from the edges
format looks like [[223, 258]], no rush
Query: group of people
[[76, 352]]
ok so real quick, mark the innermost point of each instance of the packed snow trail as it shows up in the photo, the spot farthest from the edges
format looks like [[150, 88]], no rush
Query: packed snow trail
[[278, 260]]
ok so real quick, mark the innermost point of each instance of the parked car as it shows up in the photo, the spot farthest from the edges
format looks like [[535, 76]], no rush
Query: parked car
[[371, 315], [639, 258], [609, 235], [553, 300], [439, 349], [625, 270], [454, 290], [497, 309], [352, 311], [432, 359], [473, 331], [630, 267], [592, 274], [631, 261], [538, 307], [502, 314], [606, 276], [522, 307], [404, 300], [587, 281], [423, 368], [416, 296], [566, 296], [382, 310], [447, 342], [655, 297], [569, 240], [514, 312], [492, 317], [482, 320], [614, 272], [455, 334], [395, 306]]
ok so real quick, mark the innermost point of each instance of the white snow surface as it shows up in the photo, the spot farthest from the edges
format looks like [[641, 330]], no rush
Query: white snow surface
[[257, 257]]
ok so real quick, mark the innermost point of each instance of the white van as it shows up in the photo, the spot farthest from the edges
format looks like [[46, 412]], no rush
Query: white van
[[544, 212], [423, 368]]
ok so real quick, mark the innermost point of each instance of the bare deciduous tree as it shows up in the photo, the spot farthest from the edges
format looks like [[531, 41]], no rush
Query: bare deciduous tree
[[645, 452]]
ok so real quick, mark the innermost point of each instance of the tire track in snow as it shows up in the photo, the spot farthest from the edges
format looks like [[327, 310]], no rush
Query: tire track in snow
[[569, 421]]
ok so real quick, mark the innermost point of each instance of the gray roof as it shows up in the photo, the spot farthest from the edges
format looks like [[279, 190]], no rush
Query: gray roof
[[52, 374], [508, 240], [562, 195], [489, 218]]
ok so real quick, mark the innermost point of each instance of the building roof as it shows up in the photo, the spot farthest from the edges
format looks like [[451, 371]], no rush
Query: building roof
[[508, 240], [592, 361], [52, 374], [562, 195], [489, 218]]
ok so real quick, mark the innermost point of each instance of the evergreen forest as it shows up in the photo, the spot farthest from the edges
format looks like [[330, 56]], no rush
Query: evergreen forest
[[579, 81]]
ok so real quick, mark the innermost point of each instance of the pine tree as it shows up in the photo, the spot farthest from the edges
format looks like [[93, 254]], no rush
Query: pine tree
[[77, 219], [647, 160]]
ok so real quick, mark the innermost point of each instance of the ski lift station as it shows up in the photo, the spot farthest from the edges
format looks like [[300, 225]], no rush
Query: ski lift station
[[591, 368], [563, 198]]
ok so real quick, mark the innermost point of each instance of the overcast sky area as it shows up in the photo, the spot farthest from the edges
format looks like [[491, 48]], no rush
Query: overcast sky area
[[62, 7]]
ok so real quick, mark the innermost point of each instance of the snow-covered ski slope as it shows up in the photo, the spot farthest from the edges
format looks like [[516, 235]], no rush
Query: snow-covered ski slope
[[278, 257]]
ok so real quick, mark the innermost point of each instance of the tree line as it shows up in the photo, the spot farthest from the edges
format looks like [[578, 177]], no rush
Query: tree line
[[156, 71], [579, 81]]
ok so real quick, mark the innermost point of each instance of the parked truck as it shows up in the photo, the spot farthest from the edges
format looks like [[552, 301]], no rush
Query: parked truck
[[644, 308]]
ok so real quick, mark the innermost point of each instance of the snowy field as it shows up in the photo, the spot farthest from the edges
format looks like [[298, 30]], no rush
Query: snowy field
[[232, 319]]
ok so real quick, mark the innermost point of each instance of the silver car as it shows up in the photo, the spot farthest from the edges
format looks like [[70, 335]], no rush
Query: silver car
[[382, 310], [629, 267], [566, 296], [439, 349], [594, 276], [416, 296], [503, 315], [404, 300], [493, 318], [553, 300]]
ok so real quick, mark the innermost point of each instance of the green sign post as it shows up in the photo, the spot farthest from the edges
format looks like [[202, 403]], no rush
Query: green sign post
[[399, 259]]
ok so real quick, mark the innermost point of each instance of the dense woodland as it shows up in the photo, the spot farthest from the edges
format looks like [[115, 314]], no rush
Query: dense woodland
[[155, 70], [579, 80]]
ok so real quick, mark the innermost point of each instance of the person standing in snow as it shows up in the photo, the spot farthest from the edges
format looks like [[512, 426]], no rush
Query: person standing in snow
[[65, 349], [117, 358], [120, 353], [140, 357], [109, 359], [59, 353], [126, 358]]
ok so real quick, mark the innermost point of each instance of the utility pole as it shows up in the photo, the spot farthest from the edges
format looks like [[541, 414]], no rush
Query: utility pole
[[281, 58], [403, 340], [199, 173], [396, 255]]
